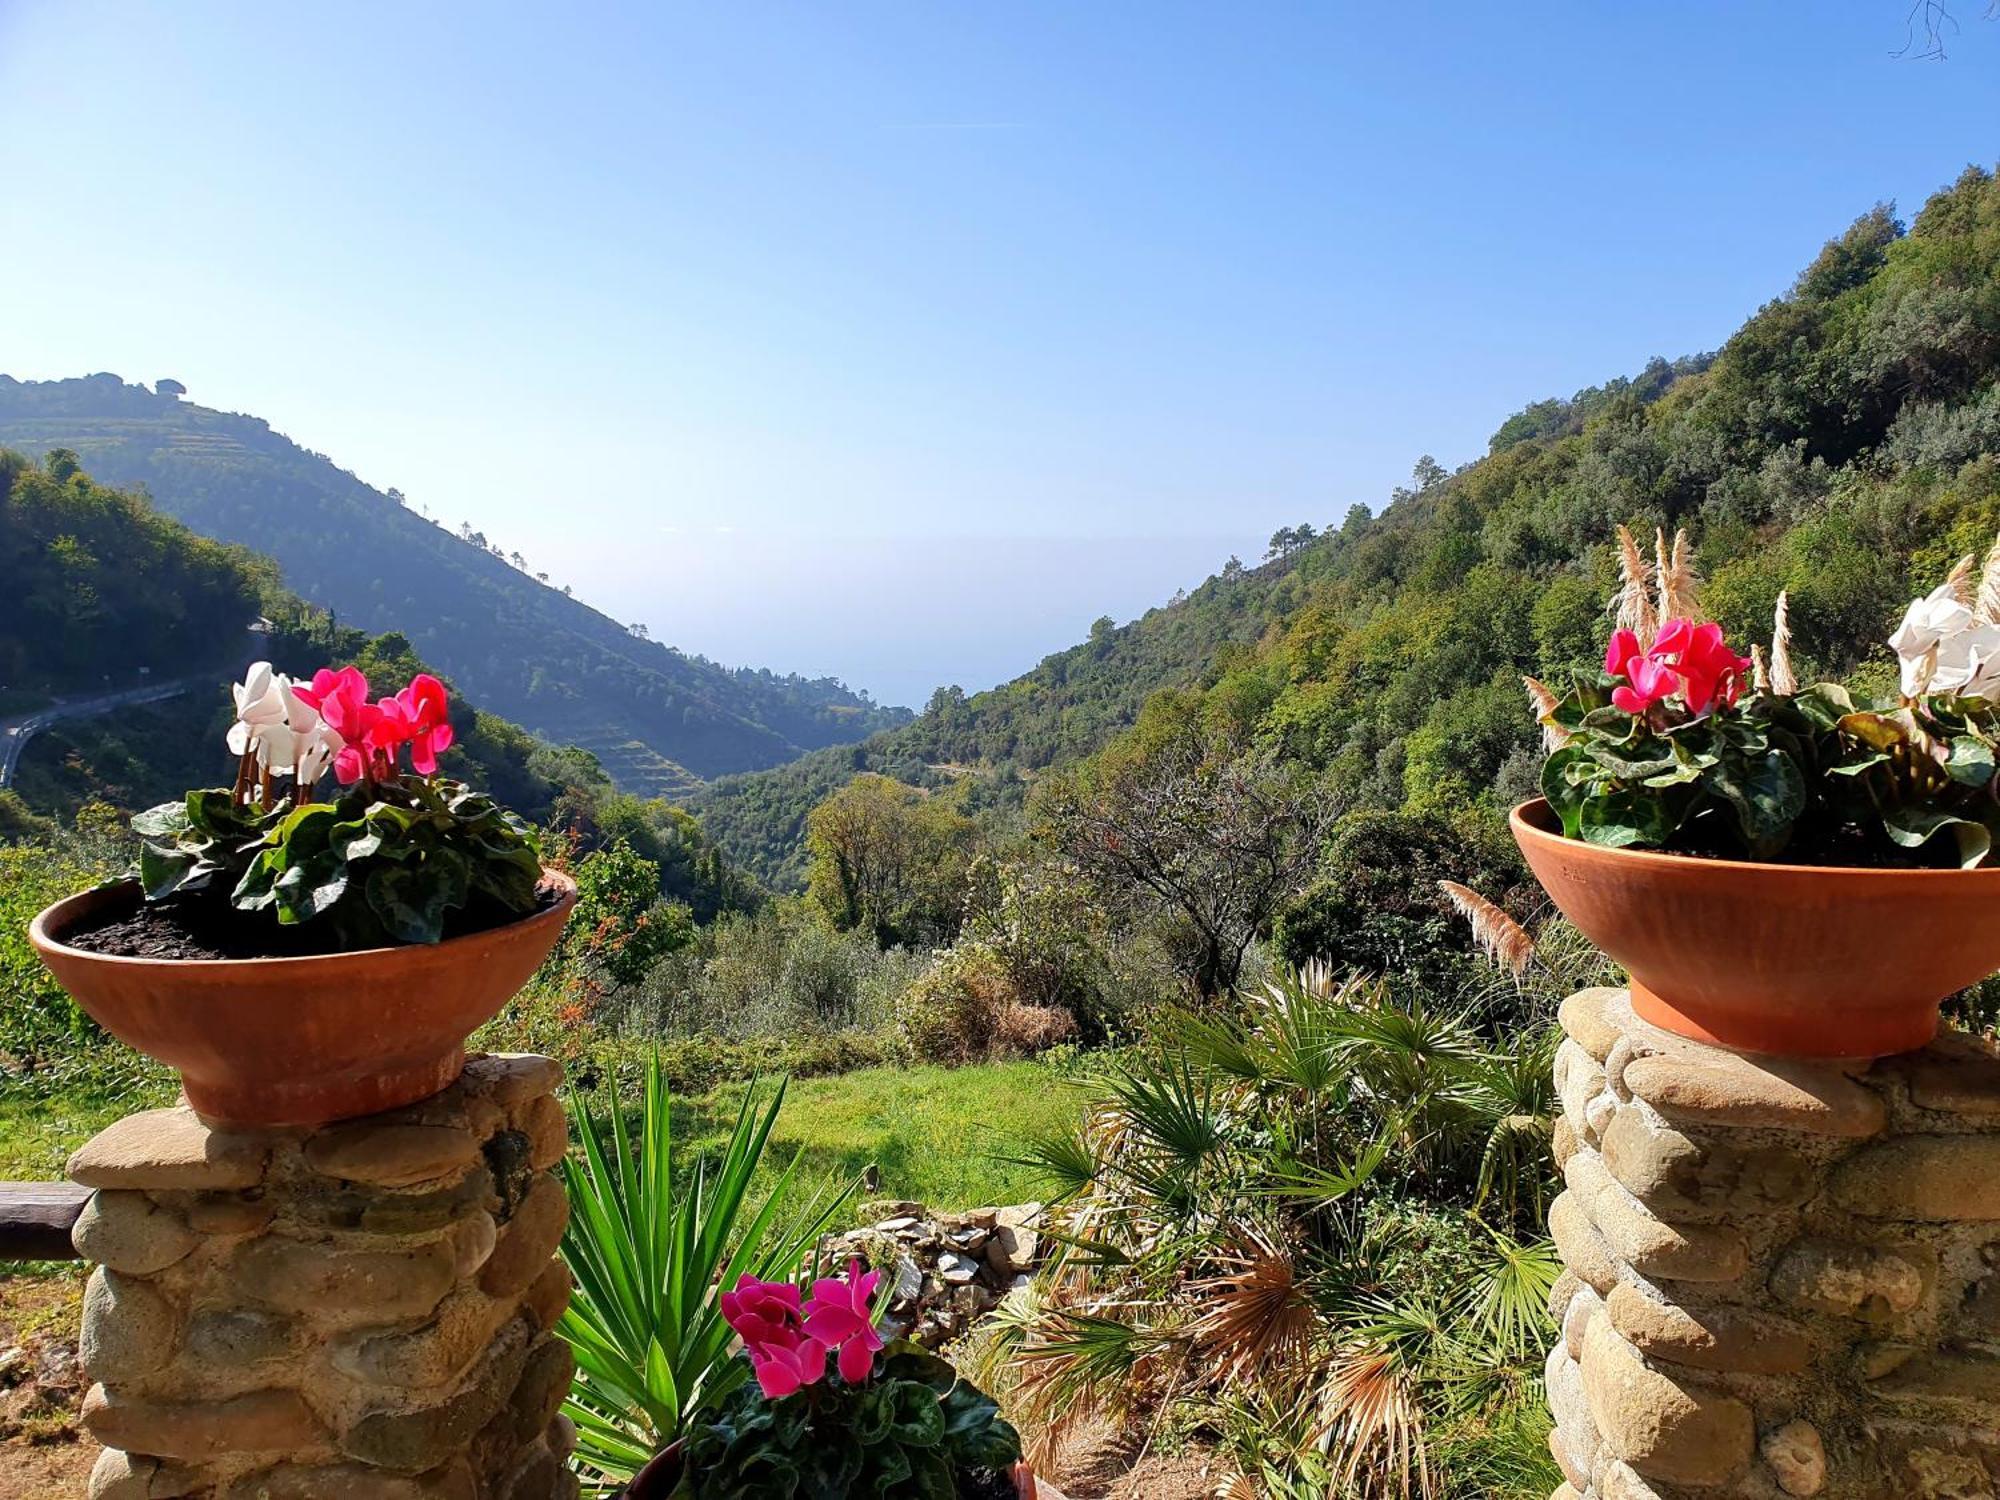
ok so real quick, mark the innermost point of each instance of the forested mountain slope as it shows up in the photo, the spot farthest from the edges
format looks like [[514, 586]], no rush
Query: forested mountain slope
[[103, 584], [659, 719], [1842, 445]]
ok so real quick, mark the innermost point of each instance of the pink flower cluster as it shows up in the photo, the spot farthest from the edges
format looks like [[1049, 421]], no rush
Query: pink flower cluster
[[373, 733], [789, 1337], [1686, 660]]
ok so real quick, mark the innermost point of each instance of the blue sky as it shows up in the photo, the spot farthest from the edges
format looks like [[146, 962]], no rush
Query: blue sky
[[901, 341]]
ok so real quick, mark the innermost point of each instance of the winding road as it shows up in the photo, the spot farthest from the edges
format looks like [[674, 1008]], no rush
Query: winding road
[[16, 732]]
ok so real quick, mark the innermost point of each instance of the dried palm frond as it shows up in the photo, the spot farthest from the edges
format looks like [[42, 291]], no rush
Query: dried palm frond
[[1544, 702], [1783, 682], [1499, 936], [1634, 603], [1760, 674], [1674, 571], [1959, 580], [1371, 1422], [1987, 610], [1237, 1488], [1258, 1320]]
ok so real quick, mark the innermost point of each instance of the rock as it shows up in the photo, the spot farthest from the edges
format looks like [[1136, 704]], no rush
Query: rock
[[1573, 1472], [1562, 1141], [547, 1129], [538, 1394], [127, 1231], [129, 1328], [238, 1338], [1562, 1293], [1943, 1375], [263, 1422], [1797, 1458], [535, 1478], [511, 1078], [351, 1482], [411, 1442], [1935, 1474], [909, 1281], [1582, 1248], [169, 1148], [343, 1285], [528, 1240], [1014, 1249], [228, 1213], [547, 1297], [1664, 1429], [435, 1354], [392, 1156], [1731, 1340], [1938, 1178], [900, 1224], [1586, 1022], [957, 1269], [1649, 1245], [1579, 1079], [1866, 1282], [1584, 1306], [1678, 1179], [1727, 1088], [1957, 1074]]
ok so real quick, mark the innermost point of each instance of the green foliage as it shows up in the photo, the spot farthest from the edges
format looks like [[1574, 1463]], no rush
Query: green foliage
[[99, 585], [890, 860], [651, 1253], [907, 1433], [620, 925], [39, 1024], [391, 861]]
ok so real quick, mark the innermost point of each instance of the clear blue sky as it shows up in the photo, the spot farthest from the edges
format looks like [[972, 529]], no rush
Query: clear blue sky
[[900, 341]]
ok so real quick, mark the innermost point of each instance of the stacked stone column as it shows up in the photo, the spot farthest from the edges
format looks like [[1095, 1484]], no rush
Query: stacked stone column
[[1782, 1277], [361, 1311]]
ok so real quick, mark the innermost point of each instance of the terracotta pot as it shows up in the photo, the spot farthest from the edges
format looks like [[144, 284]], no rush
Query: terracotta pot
[[1805, 960], [301, 1041], [662, 1476]]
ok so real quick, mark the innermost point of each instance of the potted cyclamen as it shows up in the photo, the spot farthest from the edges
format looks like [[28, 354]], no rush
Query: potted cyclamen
[[1779, 868], [832, 1412], [303, 960]]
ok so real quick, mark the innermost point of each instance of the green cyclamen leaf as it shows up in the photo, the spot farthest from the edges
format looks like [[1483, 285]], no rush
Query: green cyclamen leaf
[[413, 899], [1970, 762], [168, 820]]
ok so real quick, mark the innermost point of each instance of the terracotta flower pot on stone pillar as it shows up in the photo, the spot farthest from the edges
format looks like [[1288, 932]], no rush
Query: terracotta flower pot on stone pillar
[[303, 1041], [1802, 960], [662, 1478]]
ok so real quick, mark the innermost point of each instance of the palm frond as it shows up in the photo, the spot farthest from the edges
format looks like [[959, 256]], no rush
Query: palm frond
[[1633, 605], [1784, 682], [1255, 1319], [1760, 674], [1498, 935]]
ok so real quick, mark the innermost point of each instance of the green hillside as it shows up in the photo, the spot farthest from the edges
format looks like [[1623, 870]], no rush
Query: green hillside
[[664, 720], [1842, 444]]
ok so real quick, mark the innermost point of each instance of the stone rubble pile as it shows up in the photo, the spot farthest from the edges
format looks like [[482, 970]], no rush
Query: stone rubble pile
[[1782, 1277], [947, 1271], [360, 1310]]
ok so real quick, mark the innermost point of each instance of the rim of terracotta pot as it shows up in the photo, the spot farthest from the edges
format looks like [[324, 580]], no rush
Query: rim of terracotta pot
[[61, 916], [1537, 818]]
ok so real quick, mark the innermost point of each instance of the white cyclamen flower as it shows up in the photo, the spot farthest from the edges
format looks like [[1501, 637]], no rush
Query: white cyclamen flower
[[263, 717], [1944, 649]]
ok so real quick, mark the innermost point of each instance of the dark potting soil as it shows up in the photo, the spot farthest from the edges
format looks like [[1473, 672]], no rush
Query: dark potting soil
[[207, 929]]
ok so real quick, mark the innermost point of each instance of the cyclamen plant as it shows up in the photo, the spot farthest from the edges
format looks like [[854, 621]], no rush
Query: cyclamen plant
[[835, 1412], [395, 858], [1680, 743]]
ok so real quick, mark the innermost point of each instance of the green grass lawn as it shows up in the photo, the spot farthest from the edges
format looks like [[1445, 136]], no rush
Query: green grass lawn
[[937, 1135]]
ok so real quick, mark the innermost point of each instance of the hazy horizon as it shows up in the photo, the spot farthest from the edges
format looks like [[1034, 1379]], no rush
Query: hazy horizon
[[900, 346]]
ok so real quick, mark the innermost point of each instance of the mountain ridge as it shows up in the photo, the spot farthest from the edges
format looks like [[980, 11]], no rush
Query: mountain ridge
[[662, 721]]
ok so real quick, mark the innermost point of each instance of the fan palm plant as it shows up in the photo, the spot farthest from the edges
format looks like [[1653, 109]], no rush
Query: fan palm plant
[[651, 1247]]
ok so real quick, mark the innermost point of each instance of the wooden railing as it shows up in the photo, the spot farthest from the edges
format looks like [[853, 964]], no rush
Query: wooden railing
[[36, 1218]]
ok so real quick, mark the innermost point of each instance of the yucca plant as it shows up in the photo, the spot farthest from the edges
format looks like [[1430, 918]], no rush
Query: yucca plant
[[651, 1247]]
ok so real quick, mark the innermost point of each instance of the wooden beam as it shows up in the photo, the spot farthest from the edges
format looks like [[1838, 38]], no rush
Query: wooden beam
[[36, 1218]]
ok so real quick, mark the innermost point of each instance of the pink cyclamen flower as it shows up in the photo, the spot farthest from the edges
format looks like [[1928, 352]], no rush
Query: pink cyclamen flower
[[764, 1312], [1711, 671], [783, 1371], [426, 705], [1618, 655], [841, 1316], [342, 700], [1648, 682]]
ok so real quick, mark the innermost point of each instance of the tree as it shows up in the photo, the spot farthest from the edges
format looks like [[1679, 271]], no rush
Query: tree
[[1181, 819], [890, 858]]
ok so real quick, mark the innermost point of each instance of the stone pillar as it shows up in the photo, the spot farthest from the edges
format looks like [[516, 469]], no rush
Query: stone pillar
[[1782, 1277], [361, 1311]]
